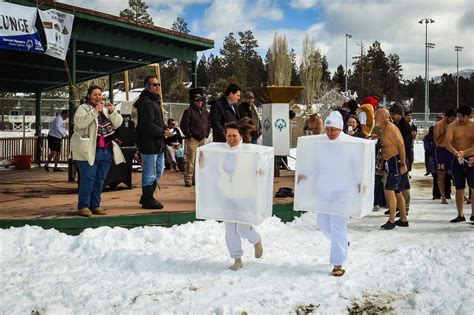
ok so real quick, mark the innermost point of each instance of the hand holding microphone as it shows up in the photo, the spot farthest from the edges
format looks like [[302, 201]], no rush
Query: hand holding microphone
[[99, 107], [110, 107]]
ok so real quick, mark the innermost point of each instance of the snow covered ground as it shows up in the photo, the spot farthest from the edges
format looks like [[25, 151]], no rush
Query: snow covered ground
[[424, 269]]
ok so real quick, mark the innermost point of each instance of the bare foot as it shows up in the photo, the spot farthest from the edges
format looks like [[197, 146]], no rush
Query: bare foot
[[337, 271], [444, 201]]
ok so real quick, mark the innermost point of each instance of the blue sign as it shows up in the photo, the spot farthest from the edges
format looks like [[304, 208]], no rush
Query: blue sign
[[17, 28], [280, 124]]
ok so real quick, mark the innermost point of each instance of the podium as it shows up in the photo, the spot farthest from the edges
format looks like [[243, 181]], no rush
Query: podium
[[122, 173], [276, 119]]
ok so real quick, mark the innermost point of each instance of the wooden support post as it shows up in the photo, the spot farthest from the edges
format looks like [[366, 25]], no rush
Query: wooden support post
[[158, 77], [39, 142], [111, 89], [72, 106], [193, 74], [126, 85]]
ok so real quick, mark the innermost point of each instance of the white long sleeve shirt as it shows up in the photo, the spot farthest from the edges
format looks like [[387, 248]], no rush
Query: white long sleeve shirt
[[57, 128]]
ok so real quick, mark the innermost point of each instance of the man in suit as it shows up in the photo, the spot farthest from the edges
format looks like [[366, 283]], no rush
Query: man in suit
[[224, 111]]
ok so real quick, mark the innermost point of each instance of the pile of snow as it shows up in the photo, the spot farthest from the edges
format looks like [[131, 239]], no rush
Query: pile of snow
[[426, 268]]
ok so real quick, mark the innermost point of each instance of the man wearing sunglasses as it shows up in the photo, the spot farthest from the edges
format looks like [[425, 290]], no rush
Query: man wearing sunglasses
[[151, 132]]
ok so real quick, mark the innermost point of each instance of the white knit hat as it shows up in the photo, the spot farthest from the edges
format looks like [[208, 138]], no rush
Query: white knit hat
[[334, 120]]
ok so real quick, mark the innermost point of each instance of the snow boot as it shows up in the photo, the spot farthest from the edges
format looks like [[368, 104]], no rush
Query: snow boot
[[147, 200]]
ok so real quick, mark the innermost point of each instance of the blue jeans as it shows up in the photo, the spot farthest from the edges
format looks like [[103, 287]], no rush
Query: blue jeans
[[92, 179], [153, 166]]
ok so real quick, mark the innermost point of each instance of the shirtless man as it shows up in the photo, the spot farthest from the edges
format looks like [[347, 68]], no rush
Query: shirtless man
[[393, 151], [460, 141], [442, 155], [314, 124]]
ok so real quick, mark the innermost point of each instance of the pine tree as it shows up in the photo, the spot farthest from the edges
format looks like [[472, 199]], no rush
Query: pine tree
[[175, 73], [216, 76], [362, 69], [326, 75], [339, 77], [202, 72], [137, 12], [379, 63], [180, 25], [295, 75], [252, 62], [393, 77], [232, 61]]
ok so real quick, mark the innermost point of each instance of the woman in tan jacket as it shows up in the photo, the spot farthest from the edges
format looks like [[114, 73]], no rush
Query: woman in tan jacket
[[93, 145]]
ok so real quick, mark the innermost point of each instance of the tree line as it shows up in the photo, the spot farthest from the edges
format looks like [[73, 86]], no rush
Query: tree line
[[373, 71]]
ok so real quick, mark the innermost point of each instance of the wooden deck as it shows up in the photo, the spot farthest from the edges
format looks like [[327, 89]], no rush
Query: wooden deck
[[49, 200]]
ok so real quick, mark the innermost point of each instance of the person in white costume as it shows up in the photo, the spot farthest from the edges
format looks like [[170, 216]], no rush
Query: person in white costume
[[235, 134], [334, 227]]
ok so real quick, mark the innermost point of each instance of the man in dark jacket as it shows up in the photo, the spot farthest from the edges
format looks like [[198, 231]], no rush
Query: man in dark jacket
[[247, 109], [396, 113], [195, 126], [151, 133], [224, 111]]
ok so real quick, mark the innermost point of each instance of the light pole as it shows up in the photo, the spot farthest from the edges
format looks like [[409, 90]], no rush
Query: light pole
[[430, 46], [426, 21], [457, 49], [347, 36]]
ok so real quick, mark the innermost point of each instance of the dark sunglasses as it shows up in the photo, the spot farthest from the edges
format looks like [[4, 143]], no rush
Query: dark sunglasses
[[155, 84]]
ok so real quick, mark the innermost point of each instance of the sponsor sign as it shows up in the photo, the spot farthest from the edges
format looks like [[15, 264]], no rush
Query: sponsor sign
[[57, 27], [17, 28]]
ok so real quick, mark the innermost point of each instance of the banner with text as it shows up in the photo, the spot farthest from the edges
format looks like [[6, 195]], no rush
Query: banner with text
[[57, 27], [17, 28]]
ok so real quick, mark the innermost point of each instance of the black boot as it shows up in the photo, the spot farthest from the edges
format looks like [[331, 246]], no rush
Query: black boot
[[147, 199], [142, 198]]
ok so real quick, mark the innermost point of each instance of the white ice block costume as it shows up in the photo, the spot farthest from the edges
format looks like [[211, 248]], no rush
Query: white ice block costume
[[235, 185], [332, 178]]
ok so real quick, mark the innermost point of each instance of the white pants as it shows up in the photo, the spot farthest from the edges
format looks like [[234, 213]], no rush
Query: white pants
[[334, 227], [233, 234]]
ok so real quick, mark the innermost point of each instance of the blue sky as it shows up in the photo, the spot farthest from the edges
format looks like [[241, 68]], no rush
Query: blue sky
[[391, 22]]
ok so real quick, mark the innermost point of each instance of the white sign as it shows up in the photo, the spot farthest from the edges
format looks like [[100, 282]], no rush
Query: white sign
[[276, 127], [57, 27], [17, 28]]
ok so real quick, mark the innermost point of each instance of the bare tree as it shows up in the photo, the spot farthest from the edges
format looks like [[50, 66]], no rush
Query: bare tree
[[279, 62], [311, 70]]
